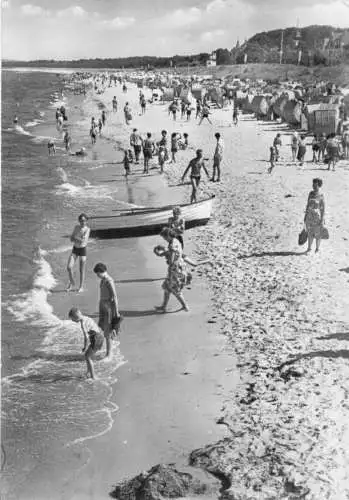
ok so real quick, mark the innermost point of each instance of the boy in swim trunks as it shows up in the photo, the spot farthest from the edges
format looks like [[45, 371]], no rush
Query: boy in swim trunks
[[92, 336]]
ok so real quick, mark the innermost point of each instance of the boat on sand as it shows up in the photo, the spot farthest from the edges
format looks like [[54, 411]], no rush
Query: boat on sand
[[144, 221]]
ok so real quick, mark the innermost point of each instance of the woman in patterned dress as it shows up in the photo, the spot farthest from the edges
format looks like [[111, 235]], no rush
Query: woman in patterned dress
[[314, 214], [176, 273]]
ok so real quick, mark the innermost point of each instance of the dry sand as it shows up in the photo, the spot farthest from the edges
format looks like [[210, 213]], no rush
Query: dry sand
[[285, 315]]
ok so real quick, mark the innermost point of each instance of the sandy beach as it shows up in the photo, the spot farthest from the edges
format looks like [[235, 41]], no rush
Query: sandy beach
[[264, 344]]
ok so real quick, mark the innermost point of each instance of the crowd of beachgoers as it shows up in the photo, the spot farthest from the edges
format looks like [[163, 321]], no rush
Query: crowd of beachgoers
[[263, 423]]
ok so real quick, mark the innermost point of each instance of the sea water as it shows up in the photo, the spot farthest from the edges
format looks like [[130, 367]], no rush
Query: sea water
[[49, 410]]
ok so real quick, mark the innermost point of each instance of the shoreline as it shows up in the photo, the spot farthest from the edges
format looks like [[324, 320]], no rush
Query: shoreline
[[175, 367]]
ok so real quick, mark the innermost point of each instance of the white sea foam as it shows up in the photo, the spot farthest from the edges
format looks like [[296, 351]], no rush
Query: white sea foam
[[87, 191], [19, 130], [32, 306], [33, 123]]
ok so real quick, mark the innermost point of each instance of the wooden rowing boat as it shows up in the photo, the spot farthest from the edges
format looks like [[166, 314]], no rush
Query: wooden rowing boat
[[144, 221]]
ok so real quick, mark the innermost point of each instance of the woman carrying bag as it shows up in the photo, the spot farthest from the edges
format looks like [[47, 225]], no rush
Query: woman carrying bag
[[314, 216]]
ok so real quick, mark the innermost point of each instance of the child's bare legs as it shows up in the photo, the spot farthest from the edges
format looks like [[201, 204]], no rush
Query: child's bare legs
[[173, 157], [88, 356], [270, 169], [70, 266], [82, 272]]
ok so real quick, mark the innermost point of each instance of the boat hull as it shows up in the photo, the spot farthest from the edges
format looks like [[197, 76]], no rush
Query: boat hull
[[145, 222]]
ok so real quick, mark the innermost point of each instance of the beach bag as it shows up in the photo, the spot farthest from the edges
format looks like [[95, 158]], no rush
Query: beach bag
[[324, 234], [303, 237]]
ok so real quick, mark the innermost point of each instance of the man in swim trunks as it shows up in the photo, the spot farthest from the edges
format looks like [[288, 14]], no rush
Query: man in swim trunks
[[195, 166], [79, 238], [204, 114], [217, 158]]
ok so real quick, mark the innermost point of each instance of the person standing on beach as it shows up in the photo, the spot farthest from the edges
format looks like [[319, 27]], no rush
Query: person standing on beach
[[108, 305], [294, 145], [115, 104], [195, 166], [323, 146], [67, 141], [198, 108], [217, 158], [93, 337], [235, 115], [174, 145], [127, 113], [277, 145], [302, 149], [332, 151], [143, 105], [104, 117], [188, 111], [271, 159], [79, 238], [148, 151], [205, 114], [314, 215], [345, 142], [176, 270], [136, 142]]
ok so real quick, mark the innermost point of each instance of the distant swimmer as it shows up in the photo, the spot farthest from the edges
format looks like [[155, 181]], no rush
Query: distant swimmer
[[80, 152], [15, 120], [51, 147]]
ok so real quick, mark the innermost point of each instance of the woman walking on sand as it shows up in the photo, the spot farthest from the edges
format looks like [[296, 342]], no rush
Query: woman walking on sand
[[79, 238], [294, 146], [176, 277], [314, 215]]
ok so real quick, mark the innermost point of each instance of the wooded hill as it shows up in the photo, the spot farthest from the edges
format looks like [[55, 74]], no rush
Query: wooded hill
[[323, 45]]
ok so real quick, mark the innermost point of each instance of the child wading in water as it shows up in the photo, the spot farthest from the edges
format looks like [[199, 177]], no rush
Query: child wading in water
[[93, 336]]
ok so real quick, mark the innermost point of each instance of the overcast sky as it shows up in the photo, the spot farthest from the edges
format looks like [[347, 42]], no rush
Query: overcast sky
[[64, 29]]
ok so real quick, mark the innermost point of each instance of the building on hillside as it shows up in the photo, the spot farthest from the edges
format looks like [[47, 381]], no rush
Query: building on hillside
[[212, 60]]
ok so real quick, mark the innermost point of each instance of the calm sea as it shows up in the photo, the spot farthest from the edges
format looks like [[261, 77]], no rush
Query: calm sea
[[48, 411]]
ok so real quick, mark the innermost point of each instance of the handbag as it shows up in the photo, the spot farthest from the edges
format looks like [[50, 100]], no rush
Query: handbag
[[303, 237], [324, 234]]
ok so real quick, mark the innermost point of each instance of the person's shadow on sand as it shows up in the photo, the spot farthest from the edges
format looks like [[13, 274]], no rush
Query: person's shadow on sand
[[149, 312], [272, 254]]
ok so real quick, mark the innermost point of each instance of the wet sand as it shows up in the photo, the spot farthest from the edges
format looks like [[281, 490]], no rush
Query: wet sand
[[178, 369]]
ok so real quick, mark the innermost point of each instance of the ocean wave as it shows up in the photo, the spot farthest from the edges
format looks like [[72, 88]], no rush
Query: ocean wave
[[32, 306], [33, 123], [87, 191], [19, 130]]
